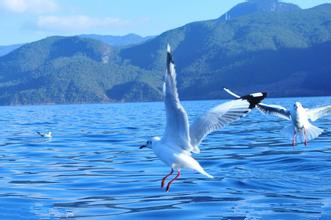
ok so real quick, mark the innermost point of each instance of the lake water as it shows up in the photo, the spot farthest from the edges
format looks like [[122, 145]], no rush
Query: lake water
[[93, 169]]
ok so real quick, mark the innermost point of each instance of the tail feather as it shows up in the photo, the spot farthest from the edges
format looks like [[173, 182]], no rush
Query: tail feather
[[203, 172], [312, 132], [189, 162], [199, 168]]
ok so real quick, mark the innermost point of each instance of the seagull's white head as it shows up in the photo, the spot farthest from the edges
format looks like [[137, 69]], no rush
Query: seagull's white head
[[150, 142], [297, 106]]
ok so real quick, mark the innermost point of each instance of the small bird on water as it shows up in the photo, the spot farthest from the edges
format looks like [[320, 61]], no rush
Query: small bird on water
[[47, 135], [179, 139]]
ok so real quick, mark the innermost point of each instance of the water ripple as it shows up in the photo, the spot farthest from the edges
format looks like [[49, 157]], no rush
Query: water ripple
[[93, 169]]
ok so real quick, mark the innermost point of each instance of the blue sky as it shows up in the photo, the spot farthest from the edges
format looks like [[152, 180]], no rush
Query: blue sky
[[30, 20]]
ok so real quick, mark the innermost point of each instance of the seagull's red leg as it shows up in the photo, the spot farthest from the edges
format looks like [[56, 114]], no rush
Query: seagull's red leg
[[168, 186], [164, 178], [294, 138], [305, 134]]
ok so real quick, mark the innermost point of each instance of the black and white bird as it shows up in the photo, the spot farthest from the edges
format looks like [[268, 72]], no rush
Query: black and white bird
[[180, 139], [299, 116], [47, 135]]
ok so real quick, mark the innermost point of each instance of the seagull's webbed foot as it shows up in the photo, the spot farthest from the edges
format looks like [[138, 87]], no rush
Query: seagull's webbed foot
[[176, 177], [164, 178]]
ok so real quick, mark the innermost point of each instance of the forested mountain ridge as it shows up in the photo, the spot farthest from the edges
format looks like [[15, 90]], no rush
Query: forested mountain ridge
[[283, 52], [71, 70], [275, 51]]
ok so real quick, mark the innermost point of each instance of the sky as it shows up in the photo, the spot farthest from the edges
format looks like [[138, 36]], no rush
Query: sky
[[30, 20]]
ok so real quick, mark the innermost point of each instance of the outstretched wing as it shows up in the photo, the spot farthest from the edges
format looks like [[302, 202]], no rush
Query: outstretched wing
[[316, 113], [276, 110], [231, 93], [221, 115], [42, 135], [177, 127]]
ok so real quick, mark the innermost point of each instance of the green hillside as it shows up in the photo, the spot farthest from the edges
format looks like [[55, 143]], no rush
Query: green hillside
[[284, 52], [265, 51], [67, 70]]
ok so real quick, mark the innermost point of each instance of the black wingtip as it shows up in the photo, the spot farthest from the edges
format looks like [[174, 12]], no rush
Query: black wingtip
[[40, 134], [169, 55], [254, 98], [169, 58]]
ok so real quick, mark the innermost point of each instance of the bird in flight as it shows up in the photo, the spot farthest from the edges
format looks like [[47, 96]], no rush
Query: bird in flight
[[181, 139], [299, 116]]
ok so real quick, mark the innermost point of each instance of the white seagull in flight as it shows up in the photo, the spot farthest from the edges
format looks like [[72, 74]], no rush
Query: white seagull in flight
[[180, 139], [299, 116]]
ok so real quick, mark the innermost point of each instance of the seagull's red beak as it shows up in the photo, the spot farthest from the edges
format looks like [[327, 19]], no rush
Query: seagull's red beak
[[142, 146]]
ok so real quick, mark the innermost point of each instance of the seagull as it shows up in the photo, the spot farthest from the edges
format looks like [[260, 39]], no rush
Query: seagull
[[47, 135], [299, 116], [179, 139]]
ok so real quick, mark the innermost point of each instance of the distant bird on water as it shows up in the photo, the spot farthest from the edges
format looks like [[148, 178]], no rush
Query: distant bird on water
[[299, 116], [47, 135], [180, 139]]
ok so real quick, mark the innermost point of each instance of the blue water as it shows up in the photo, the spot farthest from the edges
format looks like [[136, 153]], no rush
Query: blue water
[[92, 167]]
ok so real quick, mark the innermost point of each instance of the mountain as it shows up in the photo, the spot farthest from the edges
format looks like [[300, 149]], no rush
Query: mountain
[[114, 41], [9, 48], [285, 53], [118, 41], [253, 6], [70, 70]]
